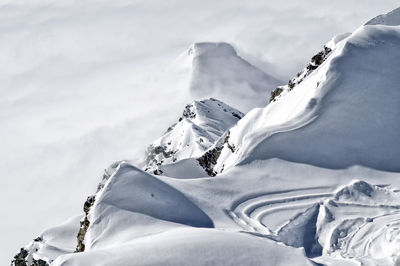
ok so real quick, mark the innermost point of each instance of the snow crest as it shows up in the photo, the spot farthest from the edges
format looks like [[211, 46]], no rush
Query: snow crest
[[216, 70]]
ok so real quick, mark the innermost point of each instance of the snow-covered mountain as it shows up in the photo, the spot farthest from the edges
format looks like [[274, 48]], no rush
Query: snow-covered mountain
[[200, 125], [312, 178], [217, 71], [345, 112]]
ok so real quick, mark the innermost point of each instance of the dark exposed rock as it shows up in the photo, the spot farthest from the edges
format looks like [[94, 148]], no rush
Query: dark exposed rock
[[291, 84], [316, 61], [275, 93], [157, 172], [39, 263], [153, 151], [189, 111], [209, 159], [84, 224], [236, 115], [19, 259], [319, 58], [176, 145], [38, 239], [226, 141], [311, 67], [26, 255]]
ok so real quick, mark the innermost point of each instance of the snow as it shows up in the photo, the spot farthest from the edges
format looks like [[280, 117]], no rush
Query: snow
[[151, 198], [84, 85], [184, 169], [214, 73], [130, 225], [200, 125], [55, 241], [345, 113], [207, 247]]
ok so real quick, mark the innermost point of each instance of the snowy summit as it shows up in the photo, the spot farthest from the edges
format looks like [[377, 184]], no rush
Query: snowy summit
[[310, 177]]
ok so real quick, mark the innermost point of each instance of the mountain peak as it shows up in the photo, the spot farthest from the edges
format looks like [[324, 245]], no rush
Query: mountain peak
[[214, 49], [201, 124], [216, 70], [323, 121]]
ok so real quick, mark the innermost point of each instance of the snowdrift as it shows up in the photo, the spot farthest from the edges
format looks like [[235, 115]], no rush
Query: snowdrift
[[345, 113]]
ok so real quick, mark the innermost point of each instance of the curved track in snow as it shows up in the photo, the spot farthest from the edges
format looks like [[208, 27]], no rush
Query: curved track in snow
[[267, 212], [355, 229]]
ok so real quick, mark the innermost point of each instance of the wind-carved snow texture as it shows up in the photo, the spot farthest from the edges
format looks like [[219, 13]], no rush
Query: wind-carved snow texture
[[215, 69], [348, 107], [199, 127], [359, 221], [283, 187]]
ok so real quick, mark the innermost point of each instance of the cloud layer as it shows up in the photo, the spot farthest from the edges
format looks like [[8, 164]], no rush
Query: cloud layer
[[86, 83]]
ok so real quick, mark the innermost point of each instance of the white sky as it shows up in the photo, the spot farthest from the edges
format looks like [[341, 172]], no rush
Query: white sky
[[82, 84]]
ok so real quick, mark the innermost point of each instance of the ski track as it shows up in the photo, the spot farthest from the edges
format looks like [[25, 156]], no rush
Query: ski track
[[250, 210]]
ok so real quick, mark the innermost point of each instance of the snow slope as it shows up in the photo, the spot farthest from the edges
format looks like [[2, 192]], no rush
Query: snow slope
[[213, 69], [252, 207], [52, 243], [207, 247], [200, 125], [286, 193], [345, 113], [82, 84]]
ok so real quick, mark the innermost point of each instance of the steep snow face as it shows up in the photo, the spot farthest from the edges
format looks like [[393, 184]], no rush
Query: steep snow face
[[345, 113], [301, 199], [76, 77], [200, 125], [141, 219], [391, 19], [216, 70], [132, 196]]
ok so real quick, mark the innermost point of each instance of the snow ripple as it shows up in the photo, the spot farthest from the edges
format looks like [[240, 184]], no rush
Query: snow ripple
[[359, 222]]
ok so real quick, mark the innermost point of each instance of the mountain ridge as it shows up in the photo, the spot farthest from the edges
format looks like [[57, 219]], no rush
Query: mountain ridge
[[310, 178]]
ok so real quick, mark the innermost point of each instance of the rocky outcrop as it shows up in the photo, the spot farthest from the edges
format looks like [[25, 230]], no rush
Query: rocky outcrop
[[20, 258], [202, 123], [84, 223], [275, 93], [210, 158], [25, 257], [315, 62]]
